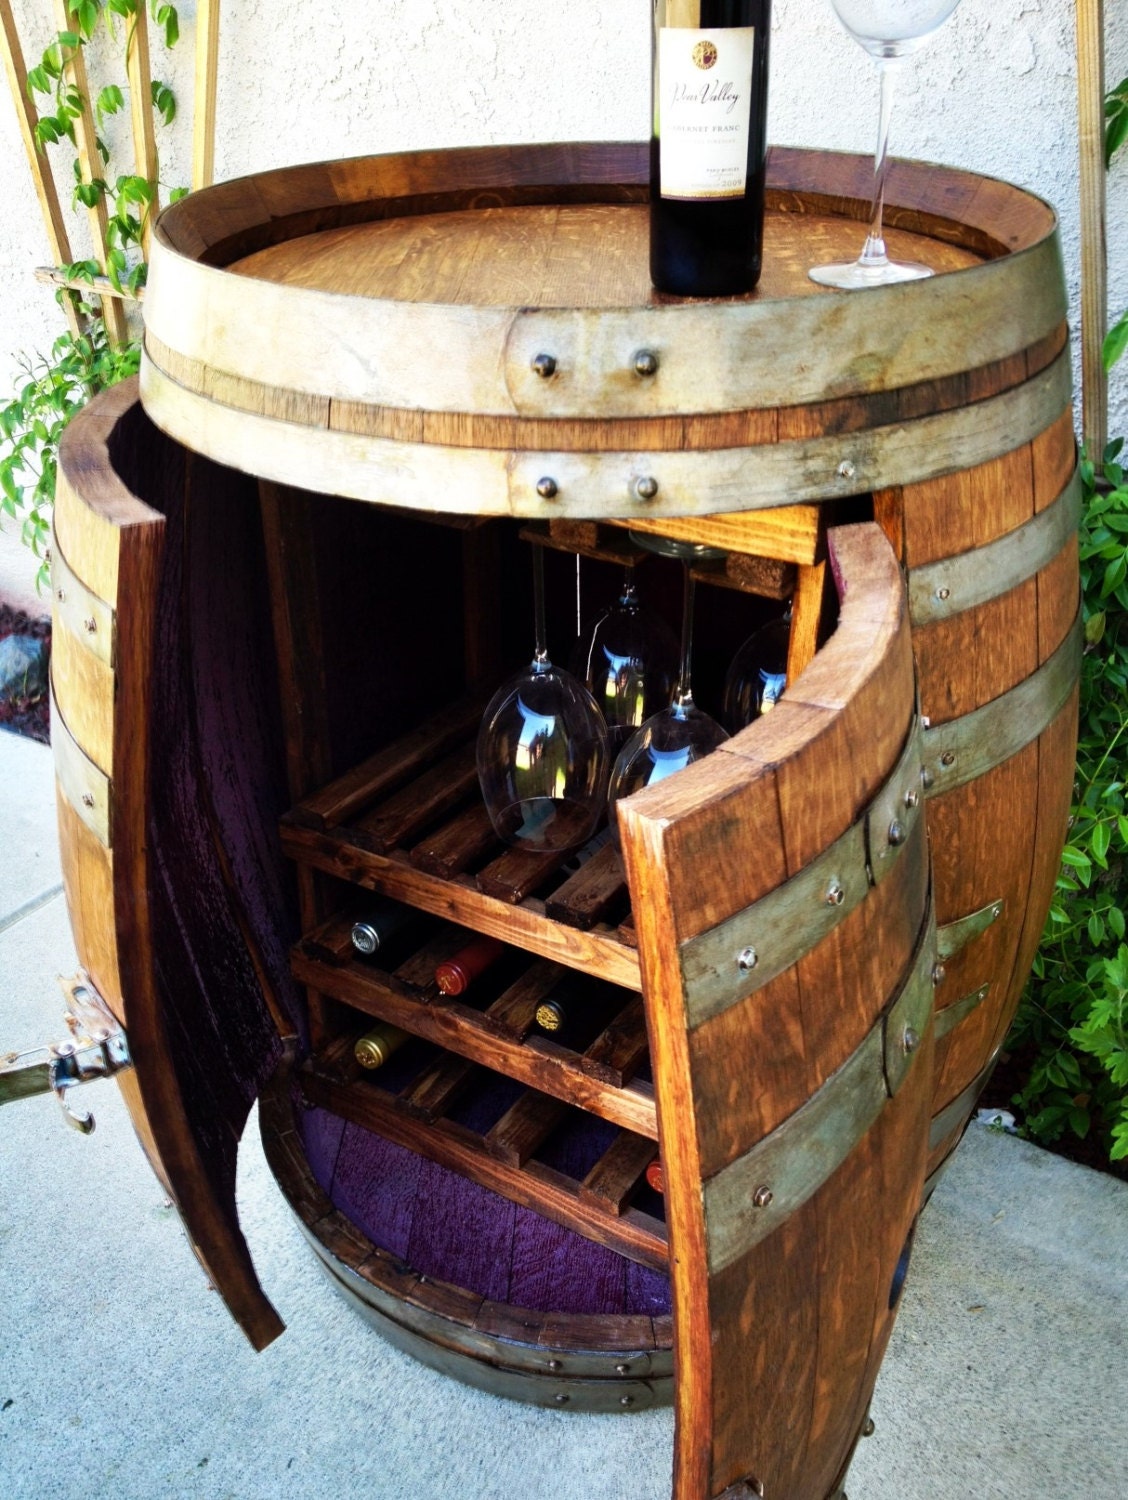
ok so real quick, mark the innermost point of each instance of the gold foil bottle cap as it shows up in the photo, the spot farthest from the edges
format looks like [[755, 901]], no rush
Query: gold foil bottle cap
[[374, 1048], [550, 1016]]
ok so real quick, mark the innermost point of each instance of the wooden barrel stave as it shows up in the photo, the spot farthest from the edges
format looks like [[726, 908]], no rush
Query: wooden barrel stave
[[984, 834]]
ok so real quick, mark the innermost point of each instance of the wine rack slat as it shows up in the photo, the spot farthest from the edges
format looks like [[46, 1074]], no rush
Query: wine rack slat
[[636, 1235], [602, 951], [619, 1172]]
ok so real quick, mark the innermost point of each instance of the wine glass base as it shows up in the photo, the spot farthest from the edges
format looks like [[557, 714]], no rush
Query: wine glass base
[[853, 275]]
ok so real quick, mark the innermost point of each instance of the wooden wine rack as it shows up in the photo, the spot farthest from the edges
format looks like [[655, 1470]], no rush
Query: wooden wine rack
[[409, 823]]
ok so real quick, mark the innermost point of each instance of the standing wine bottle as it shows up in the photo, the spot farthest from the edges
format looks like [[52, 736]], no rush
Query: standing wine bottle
[[710, 76]]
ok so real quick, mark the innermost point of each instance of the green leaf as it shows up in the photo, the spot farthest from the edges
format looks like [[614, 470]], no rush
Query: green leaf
[[1116, 341], [110, 100]]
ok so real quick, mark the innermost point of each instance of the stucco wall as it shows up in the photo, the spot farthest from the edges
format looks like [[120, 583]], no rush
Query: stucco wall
[[995, 92]]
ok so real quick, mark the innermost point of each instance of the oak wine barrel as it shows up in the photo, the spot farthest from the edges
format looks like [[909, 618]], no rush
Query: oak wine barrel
[[467, 343]]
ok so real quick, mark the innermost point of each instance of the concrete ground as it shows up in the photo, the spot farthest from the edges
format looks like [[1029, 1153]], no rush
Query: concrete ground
[[122, 1377]]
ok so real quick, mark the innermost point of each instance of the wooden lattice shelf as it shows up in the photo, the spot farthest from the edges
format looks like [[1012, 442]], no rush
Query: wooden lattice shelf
[[409, 822], [416, 1112]]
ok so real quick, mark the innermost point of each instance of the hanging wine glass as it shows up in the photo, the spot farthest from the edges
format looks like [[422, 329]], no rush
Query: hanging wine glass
[[682, 733], [757, 674], [889, 30], [628, 659], [543, 753]]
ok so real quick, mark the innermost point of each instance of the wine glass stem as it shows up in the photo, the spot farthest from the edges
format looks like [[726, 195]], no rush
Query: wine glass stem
[[873, 251], [540, 656], [683, 692]]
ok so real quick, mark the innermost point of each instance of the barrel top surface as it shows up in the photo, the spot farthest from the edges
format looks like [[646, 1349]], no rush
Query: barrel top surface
[[592, 255], [423, 329]]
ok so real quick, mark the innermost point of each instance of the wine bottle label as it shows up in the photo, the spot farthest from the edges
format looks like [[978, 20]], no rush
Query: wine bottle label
[[704, 110]]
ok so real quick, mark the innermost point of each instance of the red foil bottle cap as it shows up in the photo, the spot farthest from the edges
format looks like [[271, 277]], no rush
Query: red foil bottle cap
[[654, 1176], [455, 974]]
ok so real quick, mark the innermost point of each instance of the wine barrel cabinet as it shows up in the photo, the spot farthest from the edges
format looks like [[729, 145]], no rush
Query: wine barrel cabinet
[[288, 575]]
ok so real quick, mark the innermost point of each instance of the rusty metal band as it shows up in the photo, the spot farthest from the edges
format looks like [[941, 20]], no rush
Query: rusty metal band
[[953, 1114], [948, 587], [967, 747], [544, 485], [84, 785], [953, 937], [741, 954], [79, 610], [951, 1015], [750, 1198]]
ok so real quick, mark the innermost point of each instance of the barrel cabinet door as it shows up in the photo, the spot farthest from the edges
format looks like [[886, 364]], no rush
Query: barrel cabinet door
[[133, 829], [781, 891]]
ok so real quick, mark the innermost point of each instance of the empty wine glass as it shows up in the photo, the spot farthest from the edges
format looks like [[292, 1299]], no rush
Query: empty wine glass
[[628, 659], [681, 733], [757, 674], [542, 752], [889, 30]]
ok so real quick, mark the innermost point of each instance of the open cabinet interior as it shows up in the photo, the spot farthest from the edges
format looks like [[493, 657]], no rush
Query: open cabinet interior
[[334, 659]]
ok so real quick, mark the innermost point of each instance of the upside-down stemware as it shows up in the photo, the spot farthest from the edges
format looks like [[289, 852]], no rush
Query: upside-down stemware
[[628, 658], [542, 750], [681, 733]]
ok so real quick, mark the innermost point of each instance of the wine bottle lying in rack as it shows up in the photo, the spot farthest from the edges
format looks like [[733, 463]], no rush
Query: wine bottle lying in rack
[[379, 923], [577, 1009], [374, 1048], [456, 974], [655, 1177]]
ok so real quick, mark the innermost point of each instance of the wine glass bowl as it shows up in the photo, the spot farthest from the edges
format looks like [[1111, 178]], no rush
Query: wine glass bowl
[[889, 30], [542, 751], [757, 674], [893, 28], [543, 760], [628, 658]]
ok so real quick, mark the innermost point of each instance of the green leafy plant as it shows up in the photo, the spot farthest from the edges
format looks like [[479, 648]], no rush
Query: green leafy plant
[[53, 389], [50, 389], [1072, 1026]]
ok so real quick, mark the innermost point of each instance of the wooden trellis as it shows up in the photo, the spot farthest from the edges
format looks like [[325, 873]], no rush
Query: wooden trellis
[[139, 74]]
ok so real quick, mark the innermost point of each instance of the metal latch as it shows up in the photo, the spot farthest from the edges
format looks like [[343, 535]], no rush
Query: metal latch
[[98, 1049]]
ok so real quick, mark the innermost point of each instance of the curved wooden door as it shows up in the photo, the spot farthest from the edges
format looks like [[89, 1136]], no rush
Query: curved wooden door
[[117, 697], [781, 892]]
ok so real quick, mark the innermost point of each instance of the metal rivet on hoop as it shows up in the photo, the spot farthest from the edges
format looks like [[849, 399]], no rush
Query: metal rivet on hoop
[[747, 960], [762, 1196], [910, 1041], [544, 365], [939, 974], [646, 362], [948, 758], [896, 832], [835, 895], [547, 488], [846, 469], [646, 488]]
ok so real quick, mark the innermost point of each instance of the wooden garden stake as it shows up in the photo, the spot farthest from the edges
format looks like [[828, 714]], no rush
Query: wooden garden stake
[[90, 166], [207, 67], [1094, 262], [141, 110]]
